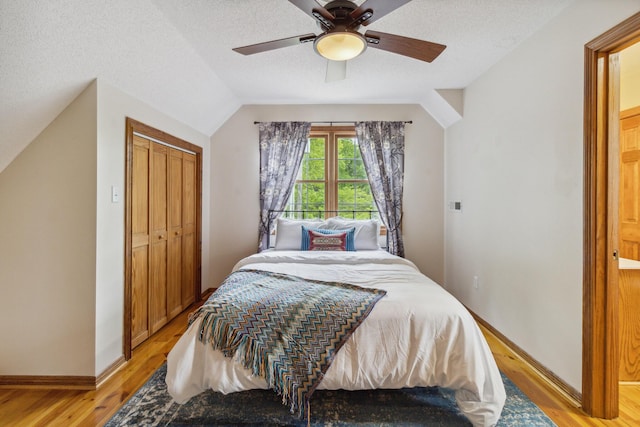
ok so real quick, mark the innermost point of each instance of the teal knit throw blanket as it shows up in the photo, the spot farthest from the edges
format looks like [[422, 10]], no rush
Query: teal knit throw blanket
[[283, 328]]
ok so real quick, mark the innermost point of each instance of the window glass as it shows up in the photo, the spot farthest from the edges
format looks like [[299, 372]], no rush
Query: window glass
[[307, 196], [332, 177], [313, 162], [350, 164]]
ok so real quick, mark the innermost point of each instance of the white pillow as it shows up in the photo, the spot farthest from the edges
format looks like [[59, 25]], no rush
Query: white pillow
[[289, 232], [367, 231]]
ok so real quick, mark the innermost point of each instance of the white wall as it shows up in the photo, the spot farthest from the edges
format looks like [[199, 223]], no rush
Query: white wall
[[515, 162], [62, 239], [630, 77], [235, 165], [113, 108], [47, 248]]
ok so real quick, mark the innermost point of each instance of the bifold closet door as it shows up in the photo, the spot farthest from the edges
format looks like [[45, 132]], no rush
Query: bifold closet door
[[164, 235], [140, 241], [174, 268], [189, 228], [182, 232], [159, 202]]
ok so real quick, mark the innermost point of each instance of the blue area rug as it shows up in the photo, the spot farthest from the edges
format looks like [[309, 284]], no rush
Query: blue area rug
[[430, 406]]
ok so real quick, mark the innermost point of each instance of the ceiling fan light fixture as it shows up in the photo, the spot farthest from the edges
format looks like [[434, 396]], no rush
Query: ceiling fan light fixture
[[340, 45]]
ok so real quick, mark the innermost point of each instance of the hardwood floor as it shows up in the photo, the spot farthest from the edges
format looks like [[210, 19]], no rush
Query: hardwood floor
[[22, 407], [563, 411], [31, 407]]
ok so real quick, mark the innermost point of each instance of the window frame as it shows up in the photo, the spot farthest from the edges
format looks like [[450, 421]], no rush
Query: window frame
[[331, 136]]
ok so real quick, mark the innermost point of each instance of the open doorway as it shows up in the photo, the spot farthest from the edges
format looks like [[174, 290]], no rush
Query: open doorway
[[600, 364], [629, 216]]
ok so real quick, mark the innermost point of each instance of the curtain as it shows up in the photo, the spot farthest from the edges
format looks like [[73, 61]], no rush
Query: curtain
[[382, 148], [282, 146]]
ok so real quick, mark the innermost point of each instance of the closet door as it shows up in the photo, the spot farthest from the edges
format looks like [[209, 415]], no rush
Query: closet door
[[140, 241], [159, 235], [189, 233], [162, 230], [175, 256]]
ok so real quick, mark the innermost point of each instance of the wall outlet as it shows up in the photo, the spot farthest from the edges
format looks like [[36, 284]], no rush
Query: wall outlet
[[476, 282]]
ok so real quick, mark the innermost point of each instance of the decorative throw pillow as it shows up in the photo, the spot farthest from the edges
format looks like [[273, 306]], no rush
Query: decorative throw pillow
[[366, 233], [327, 242], [288, 232], [350, 245]]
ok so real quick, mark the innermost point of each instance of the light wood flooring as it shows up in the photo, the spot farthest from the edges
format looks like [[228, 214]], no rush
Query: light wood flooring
[[33, 407]]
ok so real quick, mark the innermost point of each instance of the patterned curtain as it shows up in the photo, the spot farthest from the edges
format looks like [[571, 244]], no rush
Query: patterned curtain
[[382, 148], [282, 146]]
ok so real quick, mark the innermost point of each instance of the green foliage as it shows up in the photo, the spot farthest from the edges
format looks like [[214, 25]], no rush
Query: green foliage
[[351, 195], [313, 167], [350, 164]]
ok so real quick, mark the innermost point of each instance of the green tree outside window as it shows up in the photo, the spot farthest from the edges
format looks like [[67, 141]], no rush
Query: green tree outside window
[[332, 177]]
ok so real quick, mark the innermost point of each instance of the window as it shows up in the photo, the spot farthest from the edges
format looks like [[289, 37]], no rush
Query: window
[[332, 176]]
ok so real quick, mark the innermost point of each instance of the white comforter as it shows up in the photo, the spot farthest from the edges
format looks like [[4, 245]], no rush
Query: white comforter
[[417, 335]]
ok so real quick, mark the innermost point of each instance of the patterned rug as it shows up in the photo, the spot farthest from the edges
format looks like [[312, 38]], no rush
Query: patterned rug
[[433, 406]]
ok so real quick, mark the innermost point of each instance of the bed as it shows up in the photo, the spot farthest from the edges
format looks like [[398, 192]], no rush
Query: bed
[[416, 335]]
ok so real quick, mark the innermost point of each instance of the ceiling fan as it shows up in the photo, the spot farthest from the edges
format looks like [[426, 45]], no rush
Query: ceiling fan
[[340, 40]]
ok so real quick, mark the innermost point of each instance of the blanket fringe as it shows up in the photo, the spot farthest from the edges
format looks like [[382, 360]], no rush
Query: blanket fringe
[[231, 343], [246, 351]]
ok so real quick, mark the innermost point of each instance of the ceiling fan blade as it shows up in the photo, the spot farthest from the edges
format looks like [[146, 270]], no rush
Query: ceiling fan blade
[[379, 8], [275, 44], [316, 11], [336, 70], [413, 48]]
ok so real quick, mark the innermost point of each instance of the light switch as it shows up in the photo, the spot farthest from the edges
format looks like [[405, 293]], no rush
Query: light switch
[[115, 194], [455, 206]]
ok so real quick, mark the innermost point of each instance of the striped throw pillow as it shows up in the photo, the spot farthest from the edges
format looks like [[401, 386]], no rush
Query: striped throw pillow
[[327, 242], [350, 238]]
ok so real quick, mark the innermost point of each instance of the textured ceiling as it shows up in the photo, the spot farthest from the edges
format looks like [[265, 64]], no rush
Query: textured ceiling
[[477, 34], [176, 56]]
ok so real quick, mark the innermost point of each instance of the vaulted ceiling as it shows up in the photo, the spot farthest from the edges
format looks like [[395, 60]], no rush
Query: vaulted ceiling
[[176, 56]]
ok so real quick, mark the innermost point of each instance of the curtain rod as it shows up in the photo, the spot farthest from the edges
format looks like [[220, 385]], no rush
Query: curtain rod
[[340, 122]]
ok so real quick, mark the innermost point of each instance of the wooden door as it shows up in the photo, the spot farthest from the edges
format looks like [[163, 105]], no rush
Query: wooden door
[[630, 185], [629, 324], [158, 315], [163, 235], [189, 228], [162, 230], [140, 241], [175, 258], [600, 356], [629, 235]]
